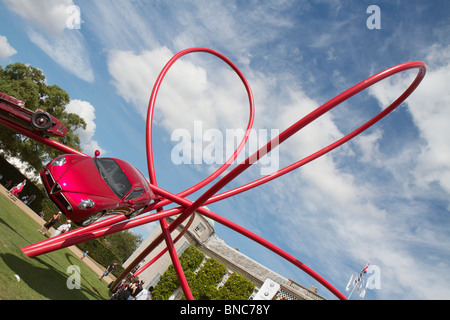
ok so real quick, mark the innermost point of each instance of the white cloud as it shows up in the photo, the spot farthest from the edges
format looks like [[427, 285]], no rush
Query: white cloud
[[50, 15], [86, 111], [122, 24], [65, 46], [368, 144], [68, 51], [428, 106], [6, 50], [134, 74], [188, 92], [315, 135]]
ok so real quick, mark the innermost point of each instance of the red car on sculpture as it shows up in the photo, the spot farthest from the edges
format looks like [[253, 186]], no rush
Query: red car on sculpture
[[86, 189], [14, 110]]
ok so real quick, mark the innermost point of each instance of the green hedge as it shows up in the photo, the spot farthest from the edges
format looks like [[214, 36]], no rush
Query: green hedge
[[235, 288], [204, 283], [11, 173], [41, 203], [102, 254], [190, 260]]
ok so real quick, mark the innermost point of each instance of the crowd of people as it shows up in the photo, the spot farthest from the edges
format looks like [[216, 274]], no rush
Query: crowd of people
[[27, 199], [50, 223], [131, 288]]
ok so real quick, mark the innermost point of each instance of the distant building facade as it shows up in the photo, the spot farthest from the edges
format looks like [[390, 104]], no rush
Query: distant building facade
[[202, 235]]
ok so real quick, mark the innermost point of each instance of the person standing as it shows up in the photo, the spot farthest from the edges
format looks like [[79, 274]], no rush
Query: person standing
[[108, 270], [30, 199], [145, 294], [62, 229], [17, 189], [50, 223]]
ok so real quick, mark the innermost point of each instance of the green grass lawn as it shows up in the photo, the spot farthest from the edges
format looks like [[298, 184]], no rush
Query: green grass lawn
[[44, 277]]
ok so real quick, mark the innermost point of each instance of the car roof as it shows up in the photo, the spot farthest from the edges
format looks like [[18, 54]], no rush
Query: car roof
[[134, 175]]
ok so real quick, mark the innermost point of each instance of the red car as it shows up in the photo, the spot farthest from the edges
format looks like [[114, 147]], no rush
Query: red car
[[14, 109], [86, 189]]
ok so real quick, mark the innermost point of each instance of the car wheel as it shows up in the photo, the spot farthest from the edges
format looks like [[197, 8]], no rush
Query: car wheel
[[92, 218], [136, 212], [41, 120]]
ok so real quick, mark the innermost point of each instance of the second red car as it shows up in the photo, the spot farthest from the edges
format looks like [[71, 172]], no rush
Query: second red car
[[39, 120]]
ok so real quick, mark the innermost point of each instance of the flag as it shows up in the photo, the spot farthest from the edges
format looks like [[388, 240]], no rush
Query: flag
[[358, 282]]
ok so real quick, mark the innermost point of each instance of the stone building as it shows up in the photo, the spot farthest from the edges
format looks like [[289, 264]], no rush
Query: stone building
[[201, 234]]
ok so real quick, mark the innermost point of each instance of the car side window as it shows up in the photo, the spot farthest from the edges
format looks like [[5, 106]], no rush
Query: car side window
[[136, 193]]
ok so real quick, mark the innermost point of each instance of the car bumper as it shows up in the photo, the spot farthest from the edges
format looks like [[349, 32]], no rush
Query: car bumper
[[58, 198]]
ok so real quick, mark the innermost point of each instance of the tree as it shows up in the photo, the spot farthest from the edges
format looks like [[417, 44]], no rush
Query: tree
[[124, 243], [27, 83]]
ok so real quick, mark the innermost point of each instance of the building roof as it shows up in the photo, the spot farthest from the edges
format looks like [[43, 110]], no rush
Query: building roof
[[241, 261]]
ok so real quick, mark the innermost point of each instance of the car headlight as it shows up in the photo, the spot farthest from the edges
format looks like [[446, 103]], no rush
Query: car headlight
[[59, 161], [86, 204]]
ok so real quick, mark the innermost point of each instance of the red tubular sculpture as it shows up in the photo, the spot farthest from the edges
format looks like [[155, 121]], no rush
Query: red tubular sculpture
[[187, 207]]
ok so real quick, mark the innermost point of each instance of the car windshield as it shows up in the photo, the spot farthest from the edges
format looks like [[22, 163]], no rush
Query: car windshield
[[113, 176]]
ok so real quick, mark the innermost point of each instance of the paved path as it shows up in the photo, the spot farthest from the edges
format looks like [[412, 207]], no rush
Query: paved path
[[97, 268]]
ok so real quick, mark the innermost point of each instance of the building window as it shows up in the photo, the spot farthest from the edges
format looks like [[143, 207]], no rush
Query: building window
[[200, 228], [183, 247], [154, 281]]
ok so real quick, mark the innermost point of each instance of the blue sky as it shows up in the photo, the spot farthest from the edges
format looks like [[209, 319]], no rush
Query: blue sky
[[383, 196]]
